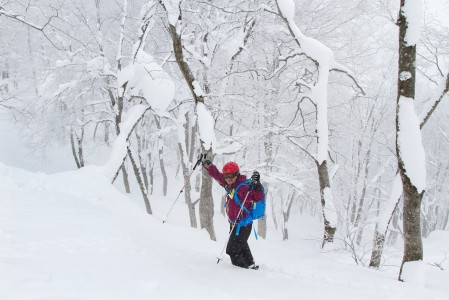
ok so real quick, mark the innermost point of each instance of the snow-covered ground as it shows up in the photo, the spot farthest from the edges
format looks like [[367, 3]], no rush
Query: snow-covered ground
[[74, 236]]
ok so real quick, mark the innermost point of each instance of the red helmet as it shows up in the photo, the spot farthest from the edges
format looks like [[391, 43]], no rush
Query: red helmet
[[230, 167]]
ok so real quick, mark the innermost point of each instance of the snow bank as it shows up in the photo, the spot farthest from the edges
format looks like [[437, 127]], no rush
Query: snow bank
[[74, 236], [414, 272]]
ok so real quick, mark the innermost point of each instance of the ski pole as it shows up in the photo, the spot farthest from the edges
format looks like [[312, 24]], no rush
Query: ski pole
[[233, 225], [200, 159]]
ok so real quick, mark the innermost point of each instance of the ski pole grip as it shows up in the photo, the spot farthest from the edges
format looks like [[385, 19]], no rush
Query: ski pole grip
[[200, 159]]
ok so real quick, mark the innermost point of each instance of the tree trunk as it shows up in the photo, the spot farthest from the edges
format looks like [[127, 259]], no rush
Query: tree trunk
[[106, 133], [285, 227], [262, 227], [138, 175], [376, 254], [151, 173], [77, 147], [75, 156], [142, 163], [207, 202], [5, 75], [323, 174], [413, 249], [262, 223], [118, 107], [393, 235], [187, 190], [161, 158], [125, 178], [223, 205], [80, 148], [379, 238]]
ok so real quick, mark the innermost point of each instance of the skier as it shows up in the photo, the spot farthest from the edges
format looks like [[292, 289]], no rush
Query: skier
[[237, 247]]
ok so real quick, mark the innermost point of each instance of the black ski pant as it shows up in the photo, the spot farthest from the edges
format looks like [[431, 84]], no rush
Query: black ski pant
[[238, 248]]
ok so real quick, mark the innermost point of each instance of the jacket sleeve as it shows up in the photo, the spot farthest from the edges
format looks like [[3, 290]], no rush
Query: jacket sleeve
[[217, 175]]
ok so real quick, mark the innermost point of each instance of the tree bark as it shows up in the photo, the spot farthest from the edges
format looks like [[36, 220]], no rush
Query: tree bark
[[323, 175], [75, 156], [161, 158], [286, 215], [118, 107], [413, 249], [138, 174], [206, 205], [207, 202], [142, 164], [187, 190], [77, 147]]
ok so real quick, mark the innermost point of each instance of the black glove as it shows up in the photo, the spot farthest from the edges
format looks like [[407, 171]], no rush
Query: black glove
[[206, 163], [256, 181]]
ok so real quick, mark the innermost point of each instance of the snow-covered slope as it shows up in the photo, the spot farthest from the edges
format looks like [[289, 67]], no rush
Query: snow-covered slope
[[74, 236]]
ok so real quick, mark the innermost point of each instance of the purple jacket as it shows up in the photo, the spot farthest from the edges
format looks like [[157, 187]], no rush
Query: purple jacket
[[232, 208]]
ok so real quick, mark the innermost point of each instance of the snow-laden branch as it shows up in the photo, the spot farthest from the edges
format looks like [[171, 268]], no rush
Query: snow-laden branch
[[120, 149], [205, 120], [20, 19], [323, 57]]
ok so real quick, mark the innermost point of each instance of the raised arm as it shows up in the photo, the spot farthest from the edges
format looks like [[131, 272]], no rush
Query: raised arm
[[214, 172]]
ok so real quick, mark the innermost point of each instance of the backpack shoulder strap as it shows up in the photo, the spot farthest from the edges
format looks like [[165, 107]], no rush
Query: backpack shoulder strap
[[236, 197]]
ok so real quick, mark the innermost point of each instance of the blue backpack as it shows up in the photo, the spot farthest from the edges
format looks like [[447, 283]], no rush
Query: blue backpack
[[257, 210]]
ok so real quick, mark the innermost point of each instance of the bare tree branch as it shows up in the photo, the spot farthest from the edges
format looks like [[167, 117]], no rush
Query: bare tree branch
[[350, 76], [19, 18], [446, 89]]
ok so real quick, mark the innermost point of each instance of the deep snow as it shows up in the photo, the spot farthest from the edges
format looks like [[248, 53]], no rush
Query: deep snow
[[72, 235]]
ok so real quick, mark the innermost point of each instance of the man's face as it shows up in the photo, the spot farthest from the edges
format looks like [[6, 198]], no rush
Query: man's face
[[230, 178]]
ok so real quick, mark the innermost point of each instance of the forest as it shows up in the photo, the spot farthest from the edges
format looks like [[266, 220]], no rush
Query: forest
[[340, 105]]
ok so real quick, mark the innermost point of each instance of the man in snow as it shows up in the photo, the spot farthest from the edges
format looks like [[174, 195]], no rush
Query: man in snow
[[237, 247]]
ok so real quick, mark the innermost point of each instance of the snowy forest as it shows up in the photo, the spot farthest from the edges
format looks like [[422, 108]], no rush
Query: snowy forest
[[341, 106]]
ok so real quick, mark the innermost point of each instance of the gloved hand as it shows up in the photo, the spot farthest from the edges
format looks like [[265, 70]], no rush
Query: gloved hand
[[206, 163], [256, 180]]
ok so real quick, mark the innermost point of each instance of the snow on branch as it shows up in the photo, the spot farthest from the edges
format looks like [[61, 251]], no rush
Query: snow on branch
[[172, 7], [20, 19], [145, 78], [323, 58], [313, 49], [120, 149]]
